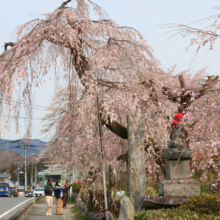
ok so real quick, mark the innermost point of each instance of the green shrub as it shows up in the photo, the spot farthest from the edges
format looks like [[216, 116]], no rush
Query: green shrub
[[71, 199], [77, 214], [171, 214], [76, 187], [152, 188], [75, 209], [205, 204]]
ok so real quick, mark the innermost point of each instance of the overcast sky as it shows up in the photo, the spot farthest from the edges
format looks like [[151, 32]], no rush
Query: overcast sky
[[144, 15]]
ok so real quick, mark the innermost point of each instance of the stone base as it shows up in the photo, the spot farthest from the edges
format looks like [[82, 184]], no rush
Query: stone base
[[177, 153], [179, 188], [177, 169], [126, 211], [158, 202]]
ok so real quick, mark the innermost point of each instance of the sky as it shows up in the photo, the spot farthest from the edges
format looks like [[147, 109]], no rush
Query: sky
[[146, 16]]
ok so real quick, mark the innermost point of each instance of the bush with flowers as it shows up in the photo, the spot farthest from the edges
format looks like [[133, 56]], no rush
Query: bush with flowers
[[76, 187], [93, 198]]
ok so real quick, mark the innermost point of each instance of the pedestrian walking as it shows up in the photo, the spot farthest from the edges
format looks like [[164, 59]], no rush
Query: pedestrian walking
[[65, 193], [48, 189], [58, 189]]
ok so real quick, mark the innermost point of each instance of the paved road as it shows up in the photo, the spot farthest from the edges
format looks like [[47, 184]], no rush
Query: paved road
[[10, 205]]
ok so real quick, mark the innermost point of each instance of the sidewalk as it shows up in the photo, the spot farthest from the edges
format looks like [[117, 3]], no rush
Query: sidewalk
[[39, 212]]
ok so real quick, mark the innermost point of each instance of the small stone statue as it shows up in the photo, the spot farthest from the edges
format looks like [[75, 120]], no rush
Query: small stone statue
[[178, 145], [179, 136]]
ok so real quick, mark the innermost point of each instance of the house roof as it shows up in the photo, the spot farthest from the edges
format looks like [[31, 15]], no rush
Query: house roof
[[5, 175]]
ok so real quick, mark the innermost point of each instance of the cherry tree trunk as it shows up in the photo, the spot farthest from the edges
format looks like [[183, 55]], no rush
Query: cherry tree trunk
[[136, 177]]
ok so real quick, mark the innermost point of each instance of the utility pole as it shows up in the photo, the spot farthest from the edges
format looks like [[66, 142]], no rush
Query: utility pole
[[25, 168], [63, 167], [32, 173], [18, 174], [35, 176]]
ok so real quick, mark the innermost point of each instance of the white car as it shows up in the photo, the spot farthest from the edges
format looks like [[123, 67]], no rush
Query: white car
[[38, 192], [21, 192]]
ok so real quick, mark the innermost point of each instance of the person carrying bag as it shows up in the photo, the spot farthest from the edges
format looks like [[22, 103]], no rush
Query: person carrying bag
[[48, 188], [59, 198]]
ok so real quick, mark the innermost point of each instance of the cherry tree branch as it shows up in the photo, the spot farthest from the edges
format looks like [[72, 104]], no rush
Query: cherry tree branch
[[65, 3], [11, 44]]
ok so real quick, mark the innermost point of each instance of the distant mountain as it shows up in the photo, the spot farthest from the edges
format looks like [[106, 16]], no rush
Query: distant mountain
[[36, 146]]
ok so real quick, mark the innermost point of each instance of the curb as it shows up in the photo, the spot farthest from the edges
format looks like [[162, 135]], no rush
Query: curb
[[21, 213]]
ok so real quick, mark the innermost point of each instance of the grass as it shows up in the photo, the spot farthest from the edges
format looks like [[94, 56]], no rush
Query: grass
[[39, 200], [27, 213], [171, 214], [75, 209], [77, 214]]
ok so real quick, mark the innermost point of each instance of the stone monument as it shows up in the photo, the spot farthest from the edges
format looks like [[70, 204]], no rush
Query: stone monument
[[178, 183], [136, 177]]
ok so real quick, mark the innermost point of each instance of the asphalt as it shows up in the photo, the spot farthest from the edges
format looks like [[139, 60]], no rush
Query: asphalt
[[10, 205], [39, 212]]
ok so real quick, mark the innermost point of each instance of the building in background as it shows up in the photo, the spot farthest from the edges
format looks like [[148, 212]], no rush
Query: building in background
[[5, 177], [56, 171]]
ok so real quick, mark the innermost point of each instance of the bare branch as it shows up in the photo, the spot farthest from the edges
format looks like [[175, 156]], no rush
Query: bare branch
[[182, 82]]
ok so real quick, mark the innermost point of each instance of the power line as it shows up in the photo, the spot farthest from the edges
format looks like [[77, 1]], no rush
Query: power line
[[25, 117], [25, 104]]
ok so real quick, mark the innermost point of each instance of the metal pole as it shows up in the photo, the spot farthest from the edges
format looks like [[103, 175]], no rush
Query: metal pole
[[35, 175], [32, 173], [43, 176], [101, 156], [18, 174], [114, 186], [25, 171], [109, 189]]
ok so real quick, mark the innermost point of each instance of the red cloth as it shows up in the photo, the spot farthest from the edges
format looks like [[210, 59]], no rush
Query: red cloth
[[175, 122], [179, 115]]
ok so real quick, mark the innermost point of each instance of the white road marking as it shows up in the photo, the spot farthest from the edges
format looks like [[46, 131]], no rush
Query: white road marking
[[13, 208]]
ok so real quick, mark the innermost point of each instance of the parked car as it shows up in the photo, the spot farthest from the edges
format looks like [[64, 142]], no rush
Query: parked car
[[13, 191], [4, 190], [39, 192], [29, 193], [21, 192]]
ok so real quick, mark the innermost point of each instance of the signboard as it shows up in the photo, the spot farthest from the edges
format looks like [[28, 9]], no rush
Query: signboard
[[37, 185], [40, 173]]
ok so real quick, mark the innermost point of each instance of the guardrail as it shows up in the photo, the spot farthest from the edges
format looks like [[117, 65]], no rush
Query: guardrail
[[23, 212]]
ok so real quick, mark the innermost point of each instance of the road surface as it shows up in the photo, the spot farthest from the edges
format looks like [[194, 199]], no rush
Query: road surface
[[10, 205]]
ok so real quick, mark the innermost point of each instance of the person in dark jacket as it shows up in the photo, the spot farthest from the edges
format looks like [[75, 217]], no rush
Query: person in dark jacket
[[65, 193], [59, 198], [48, 188]]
